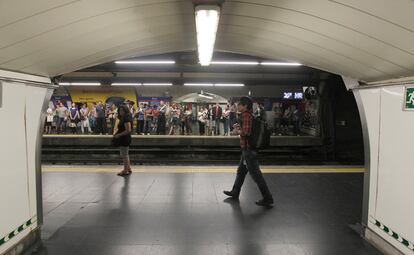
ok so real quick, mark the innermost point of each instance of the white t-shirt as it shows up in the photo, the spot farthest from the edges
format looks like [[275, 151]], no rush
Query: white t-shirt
[[49, 117]]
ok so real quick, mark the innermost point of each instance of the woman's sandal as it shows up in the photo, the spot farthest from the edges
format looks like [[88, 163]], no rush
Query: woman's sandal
[[124, 173]]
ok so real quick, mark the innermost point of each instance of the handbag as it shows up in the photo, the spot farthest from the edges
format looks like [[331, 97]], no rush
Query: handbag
[[115, 142]]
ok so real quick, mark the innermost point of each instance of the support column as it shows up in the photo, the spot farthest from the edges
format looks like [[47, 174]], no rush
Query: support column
[[23, 100], [388, 135]]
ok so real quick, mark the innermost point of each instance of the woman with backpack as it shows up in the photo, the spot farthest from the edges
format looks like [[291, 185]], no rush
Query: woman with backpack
[[122, 137]]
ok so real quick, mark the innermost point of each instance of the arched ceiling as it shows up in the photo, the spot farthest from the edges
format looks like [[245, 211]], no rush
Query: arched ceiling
[[369, 40]]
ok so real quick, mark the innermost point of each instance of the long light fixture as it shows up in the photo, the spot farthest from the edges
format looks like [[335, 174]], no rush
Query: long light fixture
[[125, 84], [207, 19], [279, 64], [229, 84], [199, 84], [80, 83], [157, 84], [250, 63], [145, 62]]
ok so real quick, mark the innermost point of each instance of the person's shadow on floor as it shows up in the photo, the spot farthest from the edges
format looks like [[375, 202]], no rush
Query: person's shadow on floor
[[247, 241]]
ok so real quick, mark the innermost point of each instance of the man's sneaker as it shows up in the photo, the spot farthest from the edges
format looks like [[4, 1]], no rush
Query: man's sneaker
[[265, 202], [231, 194]]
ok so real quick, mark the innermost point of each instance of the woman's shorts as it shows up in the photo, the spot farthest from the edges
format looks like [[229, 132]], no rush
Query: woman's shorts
[[175, 121], [124, 151]]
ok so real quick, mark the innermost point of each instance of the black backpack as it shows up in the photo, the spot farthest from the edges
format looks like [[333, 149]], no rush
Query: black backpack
[[259, 137]]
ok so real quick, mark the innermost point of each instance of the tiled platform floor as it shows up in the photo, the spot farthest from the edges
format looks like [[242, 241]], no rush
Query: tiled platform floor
[[186, 213]]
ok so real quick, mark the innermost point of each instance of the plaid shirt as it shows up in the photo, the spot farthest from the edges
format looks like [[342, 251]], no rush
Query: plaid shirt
[[246, 128]]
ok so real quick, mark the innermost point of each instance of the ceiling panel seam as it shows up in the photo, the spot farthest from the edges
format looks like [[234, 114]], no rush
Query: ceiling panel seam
[[48, 46], [308, 42], [38, 13], [160, 50], [263, 53], [87, 18], [120, 47], [135, 41], [372, 15], [321, 34], [326, 20], [297, 49]]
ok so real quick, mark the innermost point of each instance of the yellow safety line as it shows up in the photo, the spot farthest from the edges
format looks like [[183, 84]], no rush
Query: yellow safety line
[[200, 169]]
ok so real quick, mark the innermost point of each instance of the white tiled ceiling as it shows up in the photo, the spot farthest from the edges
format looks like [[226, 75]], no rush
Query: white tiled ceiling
[[369, 40]]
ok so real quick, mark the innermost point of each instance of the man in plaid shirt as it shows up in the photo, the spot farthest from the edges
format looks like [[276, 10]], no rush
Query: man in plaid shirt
[[248, 161]]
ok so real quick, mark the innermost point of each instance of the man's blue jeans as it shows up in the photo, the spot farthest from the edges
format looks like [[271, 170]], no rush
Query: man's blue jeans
[[250, 164]]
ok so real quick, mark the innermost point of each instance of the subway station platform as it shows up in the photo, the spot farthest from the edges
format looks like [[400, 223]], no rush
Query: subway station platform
[[182, 210]]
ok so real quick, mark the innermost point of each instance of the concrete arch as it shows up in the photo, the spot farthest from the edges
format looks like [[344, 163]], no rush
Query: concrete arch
[[370, 41]]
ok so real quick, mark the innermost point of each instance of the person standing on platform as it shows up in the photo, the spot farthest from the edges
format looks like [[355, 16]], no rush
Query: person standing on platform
[[232, 115], [182, 119], [175, 119], [285, 122], [260, 112], [210, 123], [140, 119], [248, 161], [73, 118], [277, 117], [100, 119], [201, 115], [130, 105], [155, 116], [148, 119], [84, 116], [168, 116], [188, 114], [49, 120], [123, 137], [226, 120], [217, 114], [62, 112], [112, 117], [161, 118], [296, 120], [92, 117]]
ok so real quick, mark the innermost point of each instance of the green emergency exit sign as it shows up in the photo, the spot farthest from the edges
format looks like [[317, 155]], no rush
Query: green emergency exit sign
[[409, 99]]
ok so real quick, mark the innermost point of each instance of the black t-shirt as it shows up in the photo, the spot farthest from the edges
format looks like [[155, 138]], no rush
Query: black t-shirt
[[124, 140]]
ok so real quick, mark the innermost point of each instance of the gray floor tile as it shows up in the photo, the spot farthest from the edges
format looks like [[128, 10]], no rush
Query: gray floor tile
[[189, 214]]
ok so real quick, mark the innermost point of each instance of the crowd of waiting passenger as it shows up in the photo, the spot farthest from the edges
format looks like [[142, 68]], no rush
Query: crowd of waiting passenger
[[163, 119]]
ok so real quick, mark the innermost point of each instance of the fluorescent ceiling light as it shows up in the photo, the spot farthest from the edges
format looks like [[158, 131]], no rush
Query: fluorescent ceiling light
[[157, 84], [229, 84], [80, 83], [201, 95], [199, 84], [279, 64], [145, 62], [250, 63], [125, 84], [207, 19]]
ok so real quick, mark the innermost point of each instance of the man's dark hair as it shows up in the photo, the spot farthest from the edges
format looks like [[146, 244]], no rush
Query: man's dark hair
[[246, 101]]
